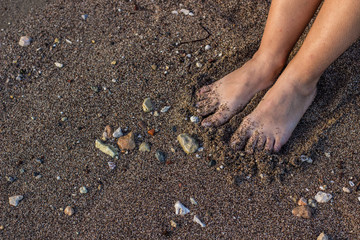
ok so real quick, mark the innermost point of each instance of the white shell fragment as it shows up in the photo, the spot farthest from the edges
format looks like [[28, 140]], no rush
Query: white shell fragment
[[14, 200], [193, 201], [351, 183], [198, 64], [112, 165], [346, 190], [304, 158], [180, 209], [175, 12], [197, 220], [186, 12], [25, 41], [207, 47], [322, 197], [118, 133], [194, 119], [165, 109], [59, 65]]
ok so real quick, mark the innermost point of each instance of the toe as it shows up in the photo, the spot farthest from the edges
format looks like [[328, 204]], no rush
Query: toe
[[203, 90], [261, 142], [269, 145], [277, 145], [239, 139], [205, 96], [251, 144], [218, 118], [206, 107]]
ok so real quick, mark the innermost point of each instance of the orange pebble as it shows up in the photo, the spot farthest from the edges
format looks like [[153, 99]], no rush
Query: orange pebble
[[151, 132]]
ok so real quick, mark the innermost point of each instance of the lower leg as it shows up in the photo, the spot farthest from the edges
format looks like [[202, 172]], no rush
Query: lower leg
[[286, 21], [270, 125]]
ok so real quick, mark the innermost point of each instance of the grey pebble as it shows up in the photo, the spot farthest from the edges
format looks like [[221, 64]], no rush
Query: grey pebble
[[14, 200], [160, 156], [144, 147], [83, 190]]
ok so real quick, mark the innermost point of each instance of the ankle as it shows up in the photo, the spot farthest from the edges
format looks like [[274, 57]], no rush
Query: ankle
[[277, 61]]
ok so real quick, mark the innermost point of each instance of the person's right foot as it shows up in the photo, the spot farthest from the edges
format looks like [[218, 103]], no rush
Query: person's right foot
[[227, 96]]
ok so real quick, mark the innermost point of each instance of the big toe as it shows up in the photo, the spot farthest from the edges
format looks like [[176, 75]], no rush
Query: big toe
[[203, 90], [220, 117]]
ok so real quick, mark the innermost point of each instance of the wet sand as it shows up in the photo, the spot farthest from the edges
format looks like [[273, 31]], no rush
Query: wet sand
[[251, 197]]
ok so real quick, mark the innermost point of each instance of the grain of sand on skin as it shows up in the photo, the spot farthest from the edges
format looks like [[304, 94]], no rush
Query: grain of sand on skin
[[136, 199]]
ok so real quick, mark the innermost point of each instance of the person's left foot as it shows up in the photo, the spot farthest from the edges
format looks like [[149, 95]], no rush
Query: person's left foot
[[272, 122]]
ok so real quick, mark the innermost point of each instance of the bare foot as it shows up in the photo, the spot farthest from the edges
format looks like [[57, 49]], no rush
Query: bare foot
[[224, 98], [272, 122]]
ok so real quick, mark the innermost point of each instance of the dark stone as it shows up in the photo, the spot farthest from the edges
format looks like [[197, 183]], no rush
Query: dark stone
[[212, 163], [160, 156]]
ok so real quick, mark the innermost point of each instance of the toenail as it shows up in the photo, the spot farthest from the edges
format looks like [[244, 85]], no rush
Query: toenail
[[206, 124]]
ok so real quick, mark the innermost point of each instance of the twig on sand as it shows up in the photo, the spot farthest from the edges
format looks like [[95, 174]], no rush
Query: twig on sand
[[197, 40]]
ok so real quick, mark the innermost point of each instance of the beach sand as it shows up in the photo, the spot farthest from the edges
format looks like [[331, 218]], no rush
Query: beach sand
[[56, 114]]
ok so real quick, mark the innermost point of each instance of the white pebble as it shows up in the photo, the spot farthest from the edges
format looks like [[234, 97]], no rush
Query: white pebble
[[83, 190], [14, 200], [207, 47], [180, 209], [346, 190], [327, 154], [351, 183], [188, 55], [304, 158], [197, 220], [194, 119], [25, 41], [185, 11], [59, 65], [175, 12], [198, 64], [359, 198], [192, 200], [322, 197], [118, 133], [84, 16], [165, 109]]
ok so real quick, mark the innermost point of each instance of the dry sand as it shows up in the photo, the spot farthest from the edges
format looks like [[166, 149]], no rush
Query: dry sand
[[136, 200]]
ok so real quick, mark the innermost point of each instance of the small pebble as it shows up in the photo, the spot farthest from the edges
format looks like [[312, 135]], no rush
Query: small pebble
[[302, 211], [118, 133], [359, 198], [63, 119], [39, 160], [142, 124], [172, 149], [113, 63], [304, 158], [154, 67], [186, 12], [351, 183], [181, 209], [59, 65], [302, 202], [327, 154], [188, 143], [194, 119], [192, 200], [173, 224], [69, 211], [1, 227], [322, 197], [105, 148], [198, 64], [83, 190], [147, 105], [25, 41], [127, 142], [322, 236], [84, 16], [14, 200], [160, 156], [197, 220], [175, 12], [212, 163], [207, 47], [165, 109], [312, 203], [156, 114], [144, 147], [111, 165], [346, 190], [10, 179]]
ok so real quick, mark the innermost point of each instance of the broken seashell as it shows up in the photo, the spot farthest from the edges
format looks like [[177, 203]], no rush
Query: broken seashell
[[181, 209], [197, 220], [193, 201]]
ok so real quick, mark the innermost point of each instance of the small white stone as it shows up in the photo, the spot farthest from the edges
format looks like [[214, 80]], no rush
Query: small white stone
[[188, 55], [25, 41], [118, 133], [346, 190], [351, 183], [14, 200], [112, 165], [83, 190], [181, 209], [84, 16], [192, 200], [165, 109], [156, 114], [207, 47], [68, 41], [198, 64], [58, 178], [197, 220], [322, 197], [194, 119], [59, 65], [175, 12], [200, 149], [304, 158], [359, 198], [327, 154], [323, 187], [185, 11]]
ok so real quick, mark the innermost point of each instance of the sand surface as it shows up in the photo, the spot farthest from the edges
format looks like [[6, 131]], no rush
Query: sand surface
[[56, 114]]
